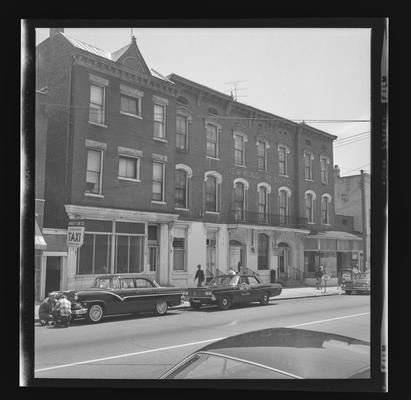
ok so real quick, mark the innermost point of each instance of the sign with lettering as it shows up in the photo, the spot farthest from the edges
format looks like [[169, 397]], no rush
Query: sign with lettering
[[75, 233], [178, 243]]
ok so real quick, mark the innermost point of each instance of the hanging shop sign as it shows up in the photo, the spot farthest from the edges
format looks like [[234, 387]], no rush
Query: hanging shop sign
[[75, 233]]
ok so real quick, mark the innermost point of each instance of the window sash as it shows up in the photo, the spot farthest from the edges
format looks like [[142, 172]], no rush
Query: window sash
[[308, 166], [129, 254], [180, 190], [261, 155], [159, 121], [130, 105], [97, 98], [158, 181], [309, 207], [283, 206], [262, 203], [324, 171], [282, 160], [239, 150], [93, 173], [128, 167], [211, 194], [179, 258], [263, 247], [212, 138], [94, 257], [325, 211]]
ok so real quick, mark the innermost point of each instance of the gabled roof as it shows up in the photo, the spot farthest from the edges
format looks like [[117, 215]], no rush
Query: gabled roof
[[87, 47]]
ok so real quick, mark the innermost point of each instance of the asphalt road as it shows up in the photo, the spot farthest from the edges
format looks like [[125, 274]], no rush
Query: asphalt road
[[145, 346]]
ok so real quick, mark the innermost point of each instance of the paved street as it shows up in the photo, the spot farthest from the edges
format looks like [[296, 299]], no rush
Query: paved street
[[130, 347]]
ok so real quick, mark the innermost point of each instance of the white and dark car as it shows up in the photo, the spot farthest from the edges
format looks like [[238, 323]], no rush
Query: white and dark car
[[277, 353], [122, 294]]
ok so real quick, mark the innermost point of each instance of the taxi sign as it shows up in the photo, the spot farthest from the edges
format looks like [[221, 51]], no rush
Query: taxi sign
[[75, 233]]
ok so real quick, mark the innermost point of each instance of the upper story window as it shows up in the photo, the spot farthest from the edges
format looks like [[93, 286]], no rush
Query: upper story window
[[309, 205], [262, 155], [212, 141], [128, 167], [181, 132], [284, 194], [308, 165], [97, 104], [238, 150], [326, 209], [159, 121], [324, 161], [158, 181], [94, 171], [262, 203], [239, 200], [212, 182], [180, 189], [130, 101], [283, 152]]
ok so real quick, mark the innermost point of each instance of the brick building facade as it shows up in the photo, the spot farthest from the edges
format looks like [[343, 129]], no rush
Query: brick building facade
[[168, 174]]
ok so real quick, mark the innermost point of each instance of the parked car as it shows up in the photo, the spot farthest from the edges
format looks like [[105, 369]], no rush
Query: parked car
[[359, 283], [225, 290], [277, 353], [121, 294]]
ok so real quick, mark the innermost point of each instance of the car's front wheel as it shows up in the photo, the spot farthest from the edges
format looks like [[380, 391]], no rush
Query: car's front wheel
[[265, 299], [95, 313], [161, 307], [224, 302]]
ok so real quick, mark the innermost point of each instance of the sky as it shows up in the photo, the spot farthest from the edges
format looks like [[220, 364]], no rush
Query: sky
[[310, 74]]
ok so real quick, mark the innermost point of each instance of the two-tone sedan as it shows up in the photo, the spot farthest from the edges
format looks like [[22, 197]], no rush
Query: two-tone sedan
[[360, 283], [225, 290], [125, 294]]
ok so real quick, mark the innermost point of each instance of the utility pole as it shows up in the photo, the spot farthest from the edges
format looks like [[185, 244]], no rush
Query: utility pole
[[364, 221]]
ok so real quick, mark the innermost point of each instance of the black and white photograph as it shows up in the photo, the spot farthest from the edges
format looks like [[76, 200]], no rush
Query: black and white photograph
[[201, 204]]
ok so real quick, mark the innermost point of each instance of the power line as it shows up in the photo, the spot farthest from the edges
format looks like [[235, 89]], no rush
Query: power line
[[351, 142], [367, 133]]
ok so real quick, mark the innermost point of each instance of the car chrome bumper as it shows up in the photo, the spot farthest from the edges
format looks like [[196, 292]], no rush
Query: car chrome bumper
[[199, 300], [81, 311]]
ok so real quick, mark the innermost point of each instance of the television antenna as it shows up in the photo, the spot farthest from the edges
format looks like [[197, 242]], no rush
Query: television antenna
[[235, 89]]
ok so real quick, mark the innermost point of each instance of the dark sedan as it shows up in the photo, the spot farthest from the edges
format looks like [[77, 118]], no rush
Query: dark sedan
[[360, 283], [121, 294], [278, 353], [225, 290]]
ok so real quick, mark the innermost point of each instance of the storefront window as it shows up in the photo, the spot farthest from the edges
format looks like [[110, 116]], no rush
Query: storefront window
[[129, 254], [93, 256], [179, 252]]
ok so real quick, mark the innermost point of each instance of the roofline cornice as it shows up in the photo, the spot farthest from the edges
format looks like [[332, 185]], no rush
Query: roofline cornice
[[96, 63], [310, 129]]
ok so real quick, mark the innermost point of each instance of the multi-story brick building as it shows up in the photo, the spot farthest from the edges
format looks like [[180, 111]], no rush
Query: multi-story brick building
[[168, 174]]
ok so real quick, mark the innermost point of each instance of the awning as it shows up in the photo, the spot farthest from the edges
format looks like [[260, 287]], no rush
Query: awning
[[335, 235], [39, 242]]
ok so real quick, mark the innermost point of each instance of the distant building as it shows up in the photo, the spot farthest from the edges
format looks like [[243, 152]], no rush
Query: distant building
[[167, 173], [348, 202]]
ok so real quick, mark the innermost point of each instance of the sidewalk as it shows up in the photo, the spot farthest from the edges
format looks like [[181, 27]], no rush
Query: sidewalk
[[286, 294]]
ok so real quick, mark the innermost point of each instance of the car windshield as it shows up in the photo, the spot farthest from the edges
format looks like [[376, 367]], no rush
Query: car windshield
[[224, 280], [210, 366]]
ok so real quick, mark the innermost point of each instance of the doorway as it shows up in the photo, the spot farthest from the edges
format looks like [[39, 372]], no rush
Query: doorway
[[53, 274], [237, 261], [283, 261]]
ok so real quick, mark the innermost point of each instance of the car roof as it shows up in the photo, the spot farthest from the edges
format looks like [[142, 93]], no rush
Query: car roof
[[304, 353], [108, 276]]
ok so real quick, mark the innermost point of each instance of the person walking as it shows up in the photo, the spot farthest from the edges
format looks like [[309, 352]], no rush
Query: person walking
[[46, 308], [319, 275], [199, 276]]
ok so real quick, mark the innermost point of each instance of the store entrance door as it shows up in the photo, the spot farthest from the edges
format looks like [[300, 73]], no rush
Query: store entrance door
[[53, 274]]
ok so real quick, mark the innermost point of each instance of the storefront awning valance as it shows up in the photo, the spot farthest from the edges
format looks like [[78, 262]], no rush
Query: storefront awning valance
[[335, 235], [39, 241]]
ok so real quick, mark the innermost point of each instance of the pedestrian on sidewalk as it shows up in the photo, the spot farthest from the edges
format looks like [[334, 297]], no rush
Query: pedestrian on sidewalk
[[199, 276], [319, 275], [46, 308]]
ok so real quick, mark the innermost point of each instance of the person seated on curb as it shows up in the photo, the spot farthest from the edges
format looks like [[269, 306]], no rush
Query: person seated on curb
[[62, 310], [45, 309]]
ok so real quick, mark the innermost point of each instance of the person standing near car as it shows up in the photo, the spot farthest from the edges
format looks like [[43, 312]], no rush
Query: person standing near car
[[46, 308], [199, 276]]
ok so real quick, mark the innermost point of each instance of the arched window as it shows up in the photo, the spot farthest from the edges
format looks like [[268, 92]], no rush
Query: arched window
[[326, 209], [284, 195], [309, 205], [324, 161], [180, 189], [212, 111], [211, 193], [263, 251], [263, 190], [239, 201]]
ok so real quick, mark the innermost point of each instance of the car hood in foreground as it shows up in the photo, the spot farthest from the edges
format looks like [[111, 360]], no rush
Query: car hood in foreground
[[304, 353]]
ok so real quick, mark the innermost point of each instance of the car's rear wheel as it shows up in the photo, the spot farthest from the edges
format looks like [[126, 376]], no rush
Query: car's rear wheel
[[265, 299], [95, 313], [161, 307], [195, 305], [224, 302], [348, 292]]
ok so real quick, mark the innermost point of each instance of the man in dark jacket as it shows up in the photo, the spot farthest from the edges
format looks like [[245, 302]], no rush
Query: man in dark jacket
[[45, 309], [319, 275], [199, 275]]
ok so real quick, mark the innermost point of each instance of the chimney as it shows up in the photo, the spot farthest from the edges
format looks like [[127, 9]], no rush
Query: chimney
[[55, 31], [336, 171]]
